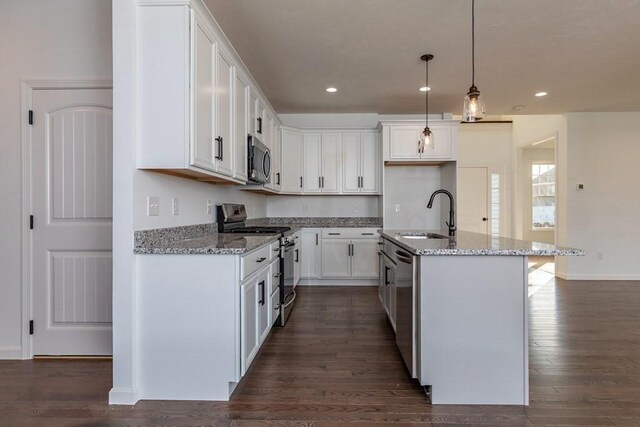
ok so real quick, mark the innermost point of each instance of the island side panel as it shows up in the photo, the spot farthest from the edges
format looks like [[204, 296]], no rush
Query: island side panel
[[188, 323], [473, 329]]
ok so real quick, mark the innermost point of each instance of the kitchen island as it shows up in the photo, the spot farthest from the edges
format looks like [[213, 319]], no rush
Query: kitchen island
[[459, 306]]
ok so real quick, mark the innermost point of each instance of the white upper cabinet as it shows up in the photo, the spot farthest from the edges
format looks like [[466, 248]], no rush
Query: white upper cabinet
[[240, 131], [321, 162], [276, 174], [196, 101], [312, 162], [401, 141], [291, 157], [223, 123], [261, 125], [203, 147], [253, 122], [360, 163]]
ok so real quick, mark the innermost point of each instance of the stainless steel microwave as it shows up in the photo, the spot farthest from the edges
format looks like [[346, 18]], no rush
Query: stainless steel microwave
[[259, 161]]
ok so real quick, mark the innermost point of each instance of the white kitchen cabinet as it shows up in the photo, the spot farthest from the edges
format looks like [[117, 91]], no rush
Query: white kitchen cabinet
[[321, 162], [185, 95], [253, 118], [364, 254], [268, 140], [349, 252], [262, 308], [276, 161], [298, 257], [261, 125], [291, 155], [250, 341], [336, 258], [310, 244], [360, 163], [223, 91], [401, 141], [240, 131]]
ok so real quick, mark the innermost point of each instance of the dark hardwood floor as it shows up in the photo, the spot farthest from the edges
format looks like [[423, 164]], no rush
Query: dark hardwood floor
[[336, 363]]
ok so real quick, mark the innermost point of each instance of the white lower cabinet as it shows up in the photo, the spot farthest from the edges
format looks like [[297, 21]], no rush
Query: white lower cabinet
[[249, 321], [336, 258], [349, 253], [310, 246], [364, 258], [257, 296]]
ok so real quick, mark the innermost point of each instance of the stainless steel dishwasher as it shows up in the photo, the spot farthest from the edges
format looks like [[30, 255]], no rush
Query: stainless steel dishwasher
[[406, 297]]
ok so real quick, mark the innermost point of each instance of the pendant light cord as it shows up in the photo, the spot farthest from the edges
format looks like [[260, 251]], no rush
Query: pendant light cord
[[426, 95], [473, 43]]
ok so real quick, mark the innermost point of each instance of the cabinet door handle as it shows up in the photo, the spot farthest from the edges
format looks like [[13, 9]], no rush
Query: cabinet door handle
[[300, 182], [367, 234], [278, 178], [334, 234], [297, 255], [359, 182], [349, 249], [316, 239], [319, 182], [353, 249], [219, 148], [260, 125], [261, 259], [261, 285], [322, 181]]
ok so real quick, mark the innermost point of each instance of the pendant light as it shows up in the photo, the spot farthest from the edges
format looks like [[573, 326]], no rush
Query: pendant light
[[426, 140], [473, 104]]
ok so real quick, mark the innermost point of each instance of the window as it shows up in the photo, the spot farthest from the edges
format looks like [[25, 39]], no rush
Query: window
[[495, 204], [543, 196]]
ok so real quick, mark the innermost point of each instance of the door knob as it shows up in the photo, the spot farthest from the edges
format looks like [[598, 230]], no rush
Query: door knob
[[484, 219]]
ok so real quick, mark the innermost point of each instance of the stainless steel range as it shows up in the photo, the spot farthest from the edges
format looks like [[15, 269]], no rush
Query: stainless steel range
[[231, 218]]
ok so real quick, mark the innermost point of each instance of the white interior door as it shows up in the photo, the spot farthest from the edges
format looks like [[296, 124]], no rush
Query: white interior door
[[473, 199], [72, 206]]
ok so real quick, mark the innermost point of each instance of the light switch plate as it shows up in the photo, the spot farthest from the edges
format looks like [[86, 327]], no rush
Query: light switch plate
[[153, 206], [209, 207], [175, 206]]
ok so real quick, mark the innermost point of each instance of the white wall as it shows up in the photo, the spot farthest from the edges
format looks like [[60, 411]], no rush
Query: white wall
[[63, 39], [409, 188], [287, 206], [192, 200], [604, 218], [490, 145]]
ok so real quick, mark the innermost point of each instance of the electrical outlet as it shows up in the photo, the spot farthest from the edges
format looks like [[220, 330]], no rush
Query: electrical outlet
[[355, 210], [209, 207], [397, 207], [153, 206], [175, 206]]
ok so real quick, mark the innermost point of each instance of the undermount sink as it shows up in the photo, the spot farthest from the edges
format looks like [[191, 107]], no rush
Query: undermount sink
[[423, 236]]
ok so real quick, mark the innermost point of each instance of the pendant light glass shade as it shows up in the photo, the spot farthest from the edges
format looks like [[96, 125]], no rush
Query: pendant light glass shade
[[473, 106], [473, 109], [426, 139]]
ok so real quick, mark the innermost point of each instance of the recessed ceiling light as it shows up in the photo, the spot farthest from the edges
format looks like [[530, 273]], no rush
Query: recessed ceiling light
[[539, 94], [424, 88], [331, 89]]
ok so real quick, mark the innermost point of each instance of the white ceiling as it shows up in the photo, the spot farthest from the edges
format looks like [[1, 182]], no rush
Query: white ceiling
[[584, 53]]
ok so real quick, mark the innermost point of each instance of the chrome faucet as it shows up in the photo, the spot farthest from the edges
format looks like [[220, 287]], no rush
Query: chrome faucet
[[451, 224]]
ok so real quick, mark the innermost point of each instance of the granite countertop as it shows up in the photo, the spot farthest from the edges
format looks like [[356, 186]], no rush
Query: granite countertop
[[467, 243], [204, 239]]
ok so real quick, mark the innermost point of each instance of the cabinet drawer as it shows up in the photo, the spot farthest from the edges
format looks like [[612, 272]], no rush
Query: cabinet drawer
[[274, 250], [350, 233], [274, 307], [275, 275], [254, 260]]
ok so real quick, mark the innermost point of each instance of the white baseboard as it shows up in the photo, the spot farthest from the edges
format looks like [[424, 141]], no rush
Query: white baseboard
[[338, 282], [123, 396], [11, 353], [596, 277]]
